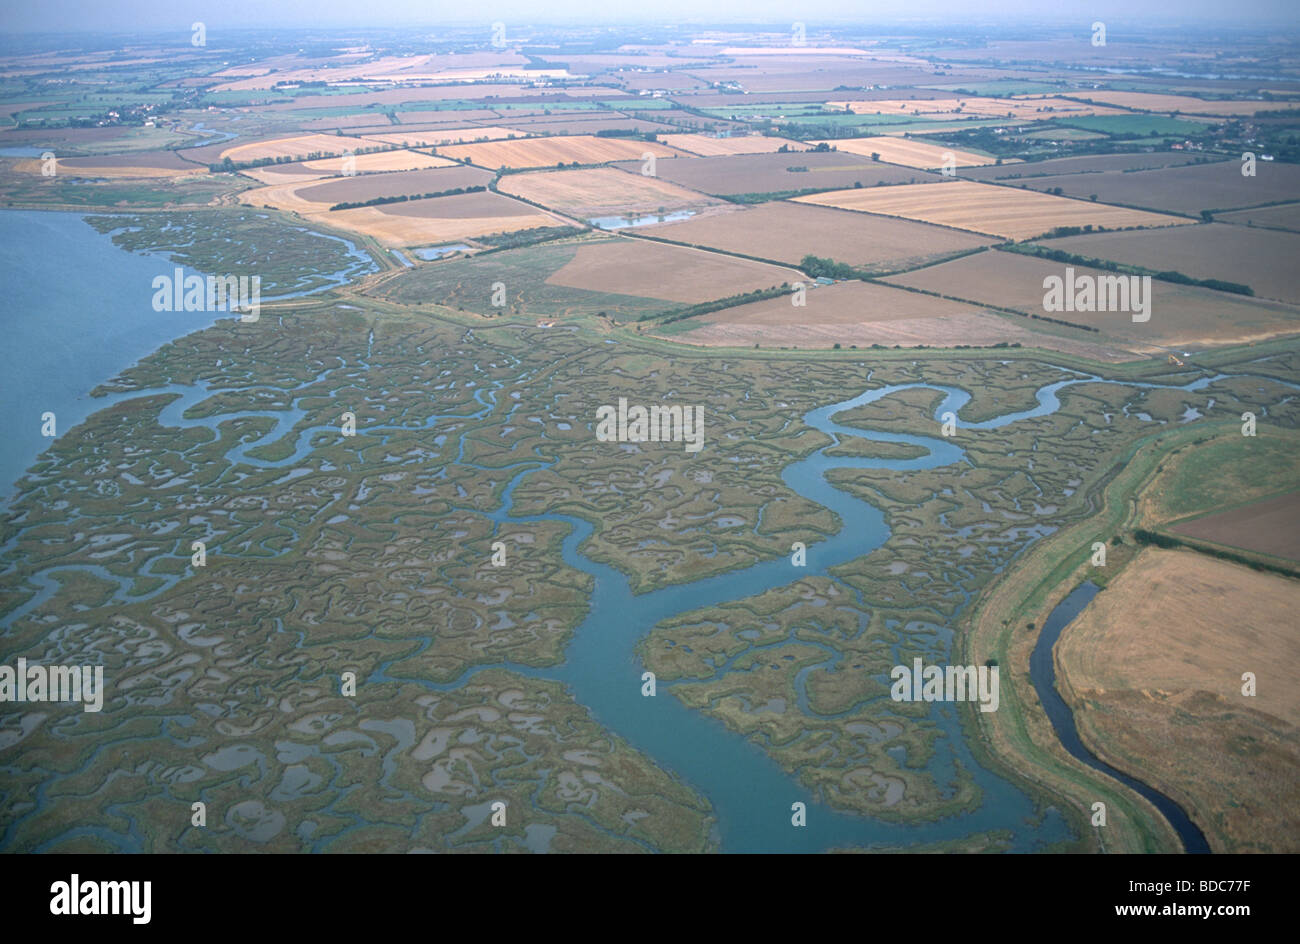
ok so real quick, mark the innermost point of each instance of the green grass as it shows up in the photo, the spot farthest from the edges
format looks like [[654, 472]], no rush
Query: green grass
[[1134, 124]]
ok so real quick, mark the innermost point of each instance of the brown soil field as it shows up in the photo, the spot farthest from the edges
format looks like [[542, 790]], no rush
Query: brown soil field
[[673, 274], [707, 145], [1155, 102], [1271, 526], [1181, 315], [1153, 670], [542, 152], [1263, 259], [598, 191], [786, 232], [297, 146], [908, 152], [435, 93], [770, 173], [987, 208], [1082, 165], [137, 164], [405, 183], [1285, 216], [442, 219], [444, 136], [1188, 189]]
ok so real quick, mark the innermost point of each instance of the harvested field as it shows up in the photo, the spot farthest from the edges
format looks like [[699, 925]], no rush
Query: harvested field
[[669, 273], [987, 208], [599, 191], [1189, 189], [1091, 164], [443, 219], [1263, 259], [137, 164], [1285, 216], [1153, 667], [406, 183], [444, 136], [773, 173], [1187, 105], [909, 153], [383, 162], [298, 146], [707, 145], [786, 232], [543, 152], [1271, 526], [1181, 315], [581, 123]]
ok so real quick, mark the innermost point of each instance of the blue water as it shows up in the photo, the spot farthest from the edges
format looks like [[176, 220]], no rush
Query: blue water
[[430, 253], [627, 222], [1042, 670]]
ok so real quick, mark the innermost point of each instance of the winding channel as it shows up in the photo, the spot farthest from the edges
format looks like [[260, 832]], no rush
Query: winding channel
[[750, 795]]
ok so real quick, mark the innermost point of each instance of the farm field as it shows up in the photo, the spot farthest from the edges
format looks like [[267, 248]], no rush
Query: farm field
[[401, 183], [786, 232], [1185, 104], [669, 273], [990, 209], [1270, 526], [600, 191], [707, 145], [1153, 667], [376, 163], [1285, 216], [779, 173], [295, 146], [1090, 164], [1188, 189], [543, 152], [1259, 258], [919, 154], [1180, 315], [443, 219], [1031, 108], [442, 136]]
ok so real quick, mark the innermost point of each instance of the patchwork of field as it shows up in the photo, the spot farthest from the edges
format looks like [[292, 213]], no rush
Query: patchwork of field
[[708, 145], [786, 232], [544, 152], [1154, 669], [1190, 189], [1185, 104], [780, 173], [596, 191], [1271, 527], [986, 208], [909, 153], [669, 273], [1180, 315], [1262, 259], [403, 183], [381, 162], [297, 147]]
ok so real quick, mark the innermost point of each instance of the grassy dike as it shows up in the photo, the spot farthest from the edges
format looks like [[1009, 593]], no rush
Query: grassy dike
[[1019, 735]]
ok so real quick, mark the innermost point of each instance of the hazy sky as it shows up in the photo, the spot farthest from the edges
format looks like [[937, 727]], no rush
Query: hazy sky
[[163, 15]]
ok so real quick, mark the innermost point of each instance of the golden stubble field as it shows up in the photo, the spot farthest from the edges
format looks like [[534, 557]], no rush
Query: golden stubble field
[[547, 152], [1008, 212], [909, 153], [708, 145], [594, 191], [1153, 667]]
